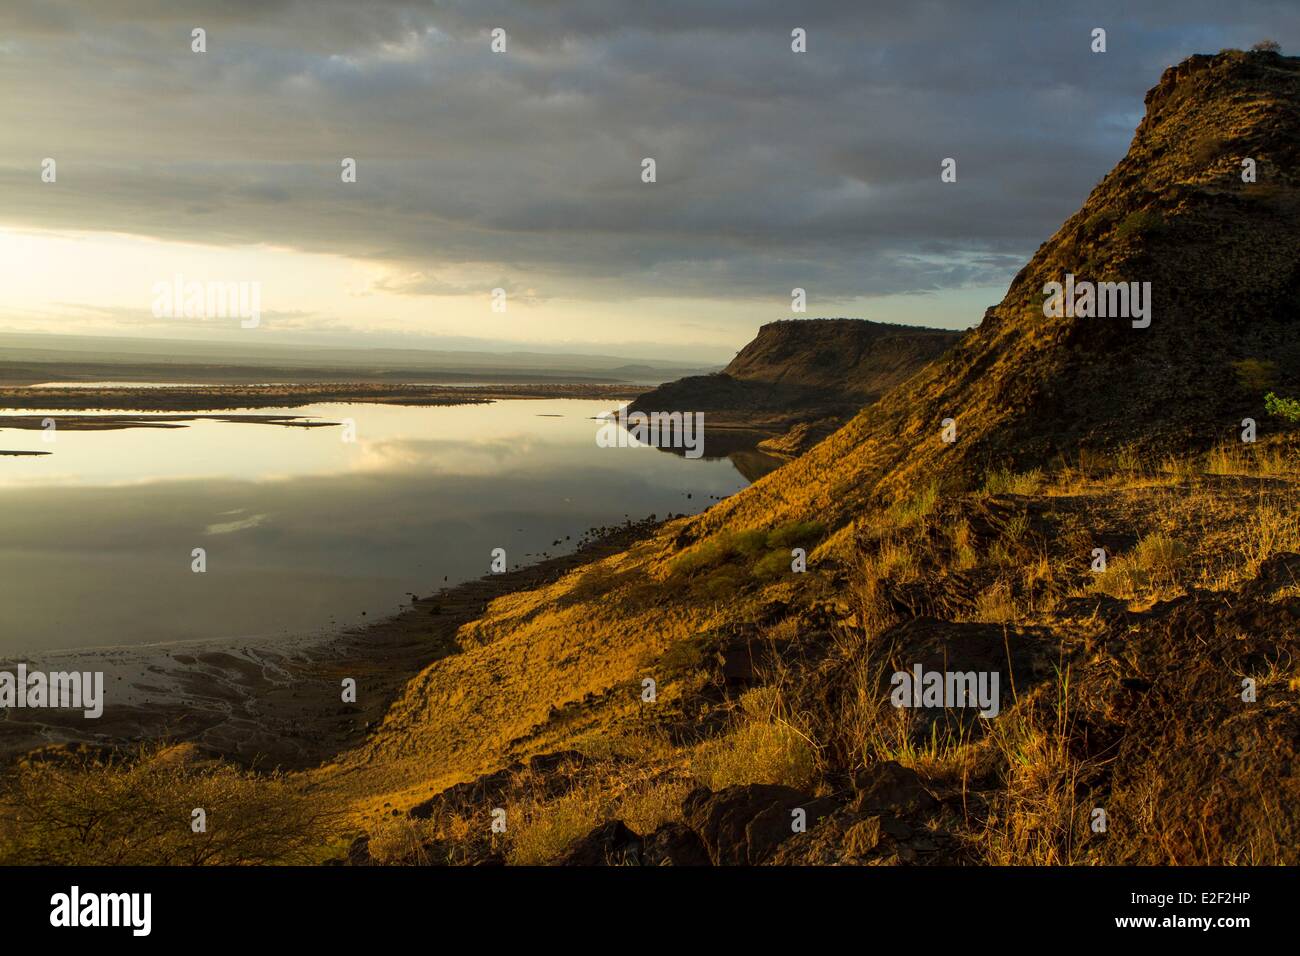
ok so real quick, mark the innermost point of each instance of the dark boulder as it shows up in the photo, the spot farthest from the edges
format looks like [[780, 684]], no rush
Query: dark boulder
[[359, 852], [889, 787], [743, 825], [675, 844], [610, 844]]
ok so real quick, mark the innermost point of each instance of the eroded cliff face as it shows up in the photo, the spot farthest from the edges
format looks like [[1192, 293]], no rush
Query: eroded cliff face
[[799, 380]]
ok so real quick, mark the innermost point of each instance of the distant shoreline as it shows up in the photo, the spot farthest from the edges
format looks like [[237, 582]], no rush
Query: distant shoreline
[[184, 398]]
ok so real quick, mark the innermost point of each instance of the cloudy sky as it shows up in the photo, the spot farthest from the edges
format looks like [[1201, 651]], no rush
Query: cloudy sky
[[522, 170]]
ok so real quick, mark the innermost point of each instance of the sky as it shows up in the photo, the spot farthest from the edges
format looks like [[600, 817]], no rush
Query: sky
[[522, 170]]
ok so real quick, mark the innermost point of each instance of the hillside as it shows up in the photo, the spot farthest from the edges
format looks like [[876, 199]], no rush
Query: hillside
[[811, 374], [1221, 257], [1073, 434]]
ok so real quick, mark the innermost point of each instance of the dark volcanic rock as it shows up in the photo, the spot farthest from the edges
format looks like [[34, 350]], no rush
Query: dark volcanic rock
[[474, 791], [359, 852], [743, 825], [1281, 570], [610, 844], [890, 787], [675, 844]]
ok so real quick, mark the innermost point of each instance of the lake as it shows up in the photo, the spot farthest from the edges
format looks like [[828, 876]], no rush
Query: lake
[[302, 530]]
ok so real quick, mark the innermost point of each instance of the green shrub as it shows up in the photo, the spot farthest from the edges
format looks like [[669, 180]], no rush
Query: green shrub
[[772, 566], [796, 534], [725, 561], [1099, 222], [1140, 223], [917, 507], [1288, 408]]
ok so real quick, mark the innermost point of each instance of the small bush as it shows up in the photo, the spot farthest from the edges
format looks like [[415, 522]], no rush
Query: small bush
[[1140, 223], [723, 583], [1155, 561], [1267, 46], [795, 534], [917, 507], [764, 748], [647, 809], [1160, 554], [681, 658], [1003, 481], [1288, 408], [772, 566], [1099, 222], [723, 564]]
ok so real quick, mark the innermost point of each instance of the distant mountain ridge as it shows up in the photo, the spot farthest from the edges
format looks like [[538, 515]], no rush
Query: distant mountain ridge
[[27, 358], [800, 378], [855, 356]]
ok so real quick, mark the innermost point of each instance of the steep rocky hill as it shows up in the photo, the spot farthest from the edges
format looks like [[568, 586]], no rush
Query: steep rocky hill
[[813, 373], [1222, 257], [853, 356]]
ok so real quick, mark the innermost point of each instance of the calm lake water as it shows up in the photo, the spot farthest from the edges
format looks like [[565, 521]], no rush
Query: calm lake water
[[304, 531]]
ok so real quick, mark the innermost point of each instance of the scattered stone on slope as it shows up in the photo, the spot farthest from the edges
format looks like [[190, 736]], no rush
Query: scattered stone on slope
[[1278, 572], [742, 825], [610, 844], [675, 844], [889, 786]]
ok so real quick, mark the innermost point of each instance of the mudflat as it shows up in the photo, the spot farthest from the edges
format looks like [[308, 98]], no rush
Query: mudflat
[[277, 703]]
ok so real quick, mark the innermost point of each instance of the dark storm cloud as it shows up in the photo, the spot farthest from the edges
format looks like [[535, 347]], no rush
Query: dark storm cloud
[[775, 170]]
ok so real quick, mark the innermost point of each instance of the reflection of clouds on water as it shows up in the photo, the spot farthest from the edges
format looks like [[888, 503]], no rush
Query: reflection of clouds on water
[[303, 531], [239, 524], [443, 456]]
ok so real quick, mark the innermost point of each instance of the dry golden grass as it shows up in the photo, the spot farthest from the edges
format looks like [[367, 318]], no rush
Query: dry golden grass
[[1152, 566], [1271, 529], [402, 840], [1003, 481], [539, 831], [996, 605], [1251, 459], [913, 509], [646, 808], [963, 550], [1041, 816], [764, 747]]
